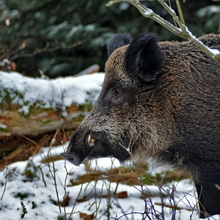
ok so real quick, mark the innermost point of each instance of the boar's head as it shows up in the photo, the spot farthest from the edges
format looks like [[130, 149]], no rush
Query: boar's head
[[124, 121]]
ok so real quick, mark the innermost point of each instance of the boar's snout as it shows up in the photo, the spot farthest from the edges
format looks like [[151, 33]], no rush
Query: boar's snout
[[85, 144], [88, 144], [71, 157], [80, 146]]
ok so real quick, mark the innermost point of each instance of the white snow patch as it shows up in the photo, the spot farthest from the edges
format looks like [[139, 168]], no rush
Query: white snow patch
[[215, 52], [148, 12], [38, 194], [3, 126], [53, 93]]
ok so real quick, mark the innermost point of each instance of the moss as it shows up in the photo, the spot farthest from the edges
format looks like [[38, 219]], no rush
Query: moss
[[161, 178], [6, 98], [30, 172], [82, 107], [48, 121], [87, 107], [78, 118], [147, 179], [4, 130]]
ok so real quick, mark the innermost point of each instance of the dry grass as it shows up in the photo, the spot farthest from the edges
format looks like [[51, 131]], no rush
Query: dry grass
[[20, 148], [132, 176]]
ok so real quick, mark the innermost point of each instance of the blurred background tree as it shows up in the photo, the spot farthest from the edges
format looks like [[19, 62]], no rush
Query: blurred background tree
[[63, 37]]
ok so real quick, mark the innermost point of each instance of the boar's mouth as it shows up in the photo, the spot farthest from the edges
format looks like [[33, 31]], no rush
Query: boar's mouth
[[93, 145]]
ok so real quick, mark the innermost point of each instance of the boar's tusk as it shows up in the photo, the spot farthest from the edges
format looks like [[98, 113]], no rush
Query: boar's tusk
[[91, 141]]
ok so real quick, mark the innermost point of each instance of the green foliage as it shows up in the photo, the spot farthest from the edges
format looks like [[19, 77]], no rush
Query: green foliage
[[24, 210], [209, 18], [22, 195], [3, 130], [63, 37], [160, 178], [34, 205], [5, 97], [30, 172]]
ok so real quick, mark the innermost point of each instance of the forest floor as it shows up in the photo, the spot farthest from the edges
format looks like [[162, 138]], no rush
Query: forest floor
[[44, 186]]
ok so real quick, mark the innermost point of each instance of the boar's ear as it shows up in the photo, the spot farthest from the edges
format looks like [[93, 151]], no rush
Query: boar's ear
[[118, 41], [143, 58]]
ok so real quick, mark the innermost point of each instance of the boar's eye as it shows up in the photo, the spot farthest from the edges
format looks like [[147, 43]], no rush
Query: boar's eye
[[115, 96]]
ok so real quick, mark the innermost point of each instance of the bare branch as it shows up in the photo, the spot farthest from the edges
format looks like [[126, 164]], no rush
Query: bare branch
[[180, 11], [181, 31]]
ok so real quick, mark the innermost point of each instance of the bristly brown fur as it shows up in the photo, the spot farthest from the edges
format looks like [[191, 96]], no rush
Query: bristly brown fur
[[159, 100]]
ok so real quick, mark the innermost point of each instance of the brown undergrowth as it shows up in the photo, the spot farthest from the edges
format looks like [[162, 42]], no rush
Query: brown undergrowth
[[19, 148], [22, 148]]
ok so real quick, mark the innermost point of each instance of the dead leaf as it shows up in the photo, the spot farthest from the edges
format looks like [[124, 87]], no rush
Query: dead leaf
[[83, 199], [65, 201], [85, 216], [23, 45], [122, 195]]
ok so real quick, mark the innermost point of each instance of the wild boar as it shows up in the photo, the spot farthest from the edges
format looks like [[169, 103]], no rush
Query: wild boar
[[158, 100]]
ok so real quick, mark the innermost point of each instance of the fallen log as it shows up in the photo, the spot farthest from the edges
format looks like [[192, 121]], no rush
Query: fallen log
[[31, 106]]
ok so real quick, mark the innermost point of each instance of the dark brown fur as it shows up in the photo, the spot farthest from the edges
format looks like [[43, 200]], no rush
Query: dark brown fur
[[161, 101]]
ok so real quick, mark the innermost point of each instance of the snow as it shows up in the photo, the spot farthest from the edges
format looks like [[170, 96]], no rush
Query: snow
[[215, 52], [148, 12], [46, 93], [3, 126], [38, 195]]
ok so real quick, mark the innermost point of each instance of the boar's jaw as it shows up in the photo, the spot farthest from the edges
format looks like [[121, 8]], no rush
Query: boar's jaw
[[91, 145], [101, 145]]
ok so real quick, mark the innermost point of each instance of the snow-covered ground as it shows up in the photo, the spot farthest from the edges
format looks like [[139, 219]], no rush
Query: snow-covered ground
[[33, 189]]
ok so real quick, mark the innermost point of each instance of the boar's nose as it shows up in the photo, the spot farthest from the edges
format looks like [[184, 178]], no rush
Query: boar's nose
[[71, 157]]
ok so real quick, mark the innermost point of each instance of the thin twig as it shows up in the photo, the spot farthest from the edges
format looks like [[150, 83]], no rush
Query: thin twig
[[171, 12], [42, 175], [180, 12], [5, 184], [53, 173], [173, 207]]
